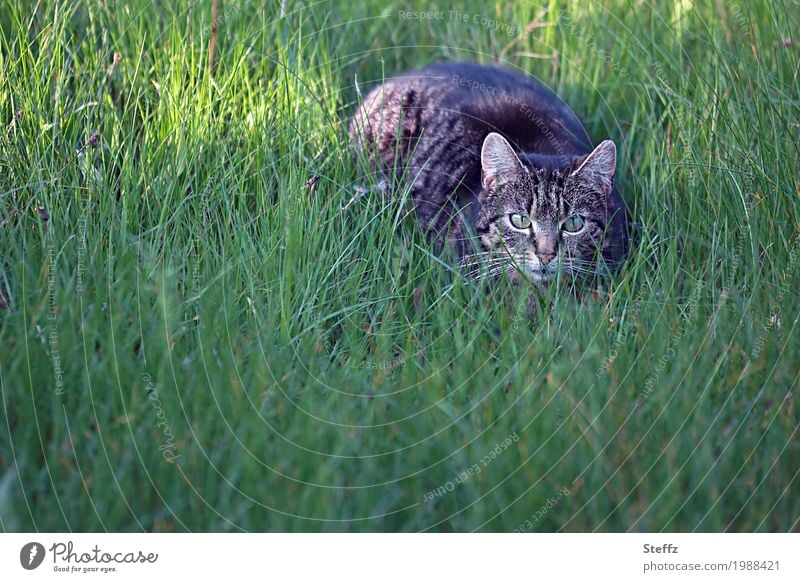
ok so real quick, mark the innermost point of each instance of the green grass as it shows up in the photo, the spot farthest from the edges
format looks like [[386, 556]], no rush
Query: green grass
[[318, 368]]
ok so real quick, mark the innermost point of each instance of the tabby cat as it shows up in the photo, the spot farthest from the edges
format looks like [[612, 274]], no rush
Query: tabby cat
[[497, 164]]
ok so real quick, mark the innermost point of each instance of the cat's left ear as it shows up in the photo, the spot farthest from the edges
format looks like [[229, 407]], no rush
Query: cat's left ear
[[598, 167], [499, 163]]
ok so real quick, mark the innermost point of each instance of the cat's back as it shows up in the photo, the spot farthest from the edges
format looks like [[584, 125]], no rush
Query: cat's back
[[472, 100]]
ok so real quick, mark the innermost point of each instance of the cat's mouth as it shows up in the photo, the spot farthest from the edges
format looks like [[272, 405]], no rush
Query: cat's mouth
[[538, 275], [494, 265], [534, 271]]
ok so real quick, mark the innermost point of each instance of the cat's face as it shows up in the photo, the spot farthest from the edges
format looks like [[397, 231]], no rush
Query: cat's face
[[533, 222]]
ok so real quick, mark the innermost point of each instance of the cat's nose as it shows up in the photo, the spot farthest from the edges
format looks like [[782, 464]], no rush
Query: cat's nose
[[546, 246], [545, 258]]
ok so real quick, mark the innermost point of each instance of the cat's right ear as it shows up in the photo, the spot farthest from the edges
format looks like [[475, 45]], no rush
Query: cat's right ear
[[499, 163], [598, 167]]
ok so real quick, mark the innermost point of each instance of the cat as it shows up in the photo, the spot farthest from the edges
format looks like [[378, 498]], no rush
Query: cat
[[498, 165]]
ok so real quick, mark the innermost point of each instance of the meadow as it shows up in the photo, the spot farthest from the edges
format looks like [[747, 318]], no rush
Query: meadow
[[212, 320]]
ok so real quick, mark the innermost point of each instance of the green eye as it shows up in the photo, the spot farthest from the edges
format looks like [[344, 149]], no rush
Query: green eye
[[519, 221], [573, 224]]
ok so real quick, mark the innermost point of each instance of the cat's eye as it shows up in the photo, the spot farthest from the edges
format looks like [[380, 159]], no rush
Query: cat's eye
[[573, 224], [519, 221]]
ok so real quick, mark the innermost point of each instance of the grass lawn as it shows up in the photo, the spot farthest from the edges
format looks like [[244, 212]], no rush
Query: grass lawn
[[212, 320]]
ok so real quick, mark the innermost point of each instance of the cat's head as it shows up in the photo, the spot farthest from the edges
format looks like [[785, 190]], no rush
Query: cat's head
[[537, 218]]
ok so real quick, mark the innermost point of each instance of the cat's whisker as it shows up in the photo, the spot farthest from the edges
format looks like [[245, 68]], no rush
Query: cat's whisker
[[498, 266], [481, 254], [488, 274], [485, 264]]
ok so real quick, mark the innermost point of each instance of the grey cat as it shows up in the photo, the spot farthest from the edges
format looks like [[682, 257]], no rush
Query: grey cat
[[501, 167]]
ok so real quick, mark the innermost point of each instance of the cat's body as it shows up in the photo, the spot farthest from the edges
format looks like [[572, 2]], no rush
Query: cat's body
[[491, 151]]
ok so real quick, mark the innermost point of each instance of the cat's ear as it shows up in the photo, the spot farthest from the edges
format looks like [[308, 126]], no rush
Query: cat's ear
[[598, 167], [499, 163]]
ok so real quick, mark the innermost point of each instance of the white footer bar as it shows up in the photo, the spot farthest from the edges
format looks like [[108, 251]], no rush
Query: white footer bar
[[401, 557]]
